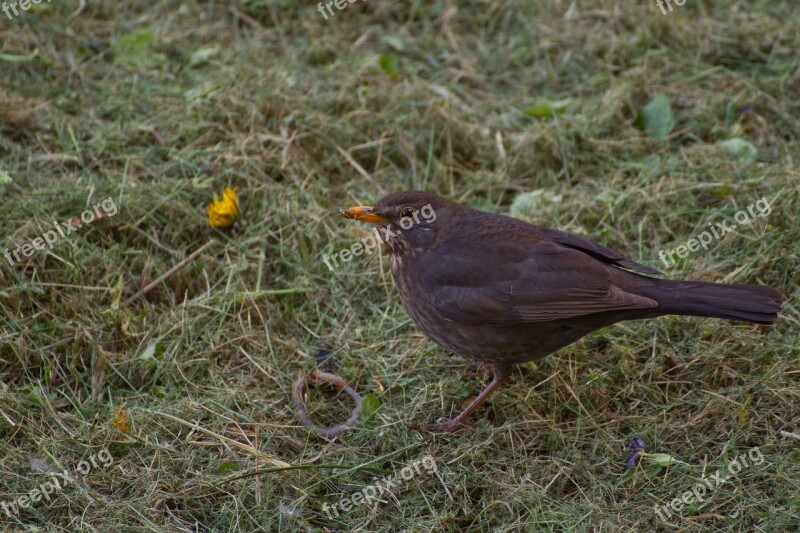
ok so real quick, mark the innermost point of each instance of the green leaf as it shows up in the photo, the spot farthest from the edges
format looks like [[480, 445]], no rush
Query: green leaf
[[202, 91], [118, 288], [395, 42], [136, 49], [369, 405], [656, 117], [148, 352], [203, 54], [388, 64], [199, 183], [663, 460], [40, 8], [5, 178], [36, 394], [11, 58], [225, 468], [548, 108], [740, 148]]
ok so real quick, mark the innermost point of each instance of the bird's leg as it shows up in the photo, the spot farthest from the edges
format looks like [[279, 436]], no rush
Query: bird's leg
[[501, 372]]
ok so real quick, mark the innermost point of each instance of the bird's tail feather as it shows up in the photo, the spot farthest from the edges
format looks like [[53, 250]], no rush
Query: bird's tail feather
[[747, 303]]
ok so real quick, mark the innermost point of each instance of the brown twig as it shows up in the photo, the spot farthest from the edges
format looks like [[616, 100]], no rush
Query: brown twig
[[150, 286]]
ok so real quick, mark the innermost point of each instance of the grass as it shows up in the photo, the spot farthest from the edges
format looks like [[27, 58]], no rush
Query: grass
[[306, 116]]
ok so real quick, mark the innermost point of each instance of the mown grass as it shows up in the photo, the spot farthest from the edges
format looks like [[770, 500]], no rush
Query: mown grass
[[298, 114]]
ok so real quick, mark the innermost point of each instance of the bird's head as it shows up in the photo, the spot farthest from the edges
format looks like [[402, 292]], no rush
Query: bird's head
[[410, 220]]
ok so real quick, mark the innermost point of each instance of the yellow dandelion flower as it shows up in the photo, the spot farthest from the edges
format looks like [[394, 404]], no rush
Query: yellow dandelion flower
[[121, 421], [222, 212]]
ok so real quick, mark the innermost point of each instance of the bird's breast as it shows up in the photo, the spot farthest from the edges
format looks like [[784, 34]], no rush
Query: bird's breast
[[419, 307]]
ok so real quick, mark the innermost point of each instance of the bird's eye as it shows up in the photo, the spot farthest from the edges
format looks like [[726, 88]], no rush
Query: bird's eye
[[407, 212]]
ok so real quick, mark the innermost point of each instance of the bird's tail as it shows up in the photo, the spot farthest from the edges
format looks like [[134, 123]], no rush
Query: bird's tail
[[747, 303]]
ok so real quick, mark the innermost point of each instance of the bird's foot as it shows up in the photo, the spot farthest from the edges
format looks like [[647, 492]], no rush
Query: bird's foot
[[447, 425]]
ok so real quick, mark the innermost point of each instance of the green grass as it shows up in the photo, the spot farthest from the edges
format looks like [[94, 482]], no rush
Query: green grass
[[304, 117]]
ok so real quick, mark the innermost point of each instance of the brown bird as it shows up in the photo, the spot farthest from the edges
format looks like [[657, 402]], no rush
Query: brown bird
[[502, 291]]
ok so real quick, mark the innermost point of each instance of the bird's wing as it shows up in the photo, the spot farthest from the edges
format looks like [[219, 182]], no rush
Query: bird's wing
[[598, 251], [547, 282]]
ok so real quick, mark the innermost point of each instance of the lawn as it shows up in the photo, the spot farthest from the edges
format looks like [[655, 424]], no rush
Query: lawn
[[154, 357]]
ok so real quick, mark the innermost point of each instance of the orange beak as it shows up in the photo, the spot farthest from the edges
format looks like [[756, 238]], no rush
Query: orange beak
[[364, 214]]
